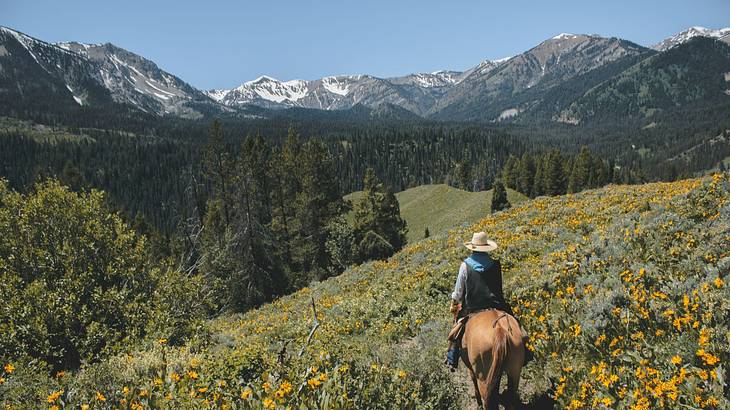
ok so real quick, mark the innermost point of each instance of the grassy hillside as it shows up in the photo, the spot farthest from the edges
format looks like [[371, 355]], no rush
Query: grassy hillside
[[623, 289], [440, 207]]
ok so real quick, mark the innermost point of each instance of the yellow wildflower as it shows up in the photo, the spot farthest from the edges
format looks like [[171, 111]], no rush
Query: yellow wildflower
[[676, 360], [9, 368], [100, 397], [54, 396], [314, 383], [704, 337]]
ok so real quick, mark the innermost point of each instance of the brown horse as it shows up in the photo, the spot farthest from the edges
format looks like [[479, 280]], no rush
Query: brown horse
[[491, 344]]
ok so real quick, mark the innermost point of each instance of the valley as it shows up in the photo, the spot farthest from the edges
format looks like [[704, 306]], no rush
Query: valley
[[213, 207]]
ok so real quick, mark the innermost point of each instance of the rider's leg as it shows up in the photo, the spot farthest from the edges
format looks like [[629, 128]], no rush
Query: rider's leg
[[452, 356]]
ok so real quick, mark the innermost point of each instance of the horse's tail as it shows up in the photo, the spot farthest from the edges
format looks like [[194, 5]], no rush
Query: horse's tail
[[499, 353]]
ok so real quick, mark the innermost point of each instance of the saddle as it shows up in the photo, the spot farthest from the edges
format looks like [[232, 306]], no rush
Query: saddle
[[457, 331]]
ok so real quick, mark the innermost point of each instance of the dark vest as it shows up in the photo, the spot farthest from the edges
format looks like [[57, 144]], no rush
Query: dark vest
[[483, 284]]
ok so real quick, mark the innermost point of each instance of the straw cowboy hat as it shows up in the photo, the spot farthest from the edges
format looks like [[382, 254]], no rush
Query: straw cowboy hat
[[480, 243]]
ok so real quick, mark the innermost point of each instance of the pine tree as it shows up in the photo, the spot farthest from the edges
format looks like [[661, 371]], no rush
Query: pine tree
[[462, 173], [580, 175], [481, 176], [509, 172], [285, 174], [391, 224], [601, 173], [426, 233], [257, 276], [317, 202], [377, 216], [525, 174], [538, 182], [237, 245], [217, 170], [499, 197], [554, 174]]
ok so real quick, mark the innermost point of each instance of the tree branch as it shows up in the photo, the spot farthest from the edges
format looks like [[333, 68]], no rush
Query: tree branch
[[314, 328]]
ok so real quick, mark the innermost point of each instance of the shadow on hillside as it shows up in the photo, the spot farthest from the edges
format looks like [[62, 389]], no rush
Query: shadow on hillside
[[543, 401]]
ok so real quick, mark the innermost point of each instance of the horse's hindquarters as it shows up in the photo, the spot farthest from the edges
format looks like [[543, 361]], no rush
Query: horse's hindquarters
[[493, 344]]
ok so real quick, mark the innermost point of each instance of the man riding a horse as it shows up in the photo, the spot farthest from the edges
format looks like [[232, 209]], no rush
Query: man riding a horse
[[478, 298]]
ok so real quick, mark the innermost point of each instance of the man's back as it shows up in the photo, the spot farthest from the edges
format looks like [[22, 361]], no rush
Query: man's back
[[483, 284]]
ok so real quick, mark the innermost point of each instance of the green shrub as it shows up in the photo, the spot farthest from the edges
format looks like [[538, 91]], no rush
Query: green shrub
[[77, 281]]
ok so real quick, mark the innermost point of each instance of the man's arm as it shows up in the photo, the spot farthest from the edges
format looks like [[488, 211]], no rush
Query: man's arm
[[457, 296]]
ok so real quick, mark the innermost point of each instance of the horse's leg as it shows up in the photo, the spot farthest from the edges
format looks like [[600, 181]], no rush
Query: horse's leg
[[476, 388], [494, 395], [514, 370], [490, 398]]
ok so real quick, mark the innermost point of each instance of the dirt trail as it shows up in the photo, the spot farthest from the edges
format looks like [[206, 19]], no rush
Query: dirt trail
[[531, 395]]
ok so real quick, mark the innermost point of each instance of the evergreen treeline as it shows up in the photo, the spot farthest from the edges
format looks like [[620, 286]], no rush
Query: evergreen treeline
[[147, 176], [266, 220], [145, 173], [555, 173]]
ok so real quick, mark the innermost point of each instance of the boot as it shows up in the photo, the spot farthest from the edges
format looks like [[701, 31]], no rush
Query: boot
[[452, 358]]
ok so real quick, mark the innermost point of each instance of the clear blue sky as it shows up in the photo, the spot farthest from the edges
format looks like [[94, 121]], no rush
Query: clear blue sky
[[220, 44]]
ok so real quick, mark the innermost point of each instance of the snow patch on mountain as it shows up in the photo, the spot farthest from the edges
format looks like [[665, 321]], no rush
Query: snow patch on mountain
[[564, 36], [439, 78], [508, 113], [690, 33], [217, 95], [336, 85], [78, 100]]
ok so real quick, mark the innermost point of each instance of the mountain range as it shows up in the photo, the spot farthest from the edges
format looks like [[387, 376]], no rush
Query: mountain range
[[569, 78]]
